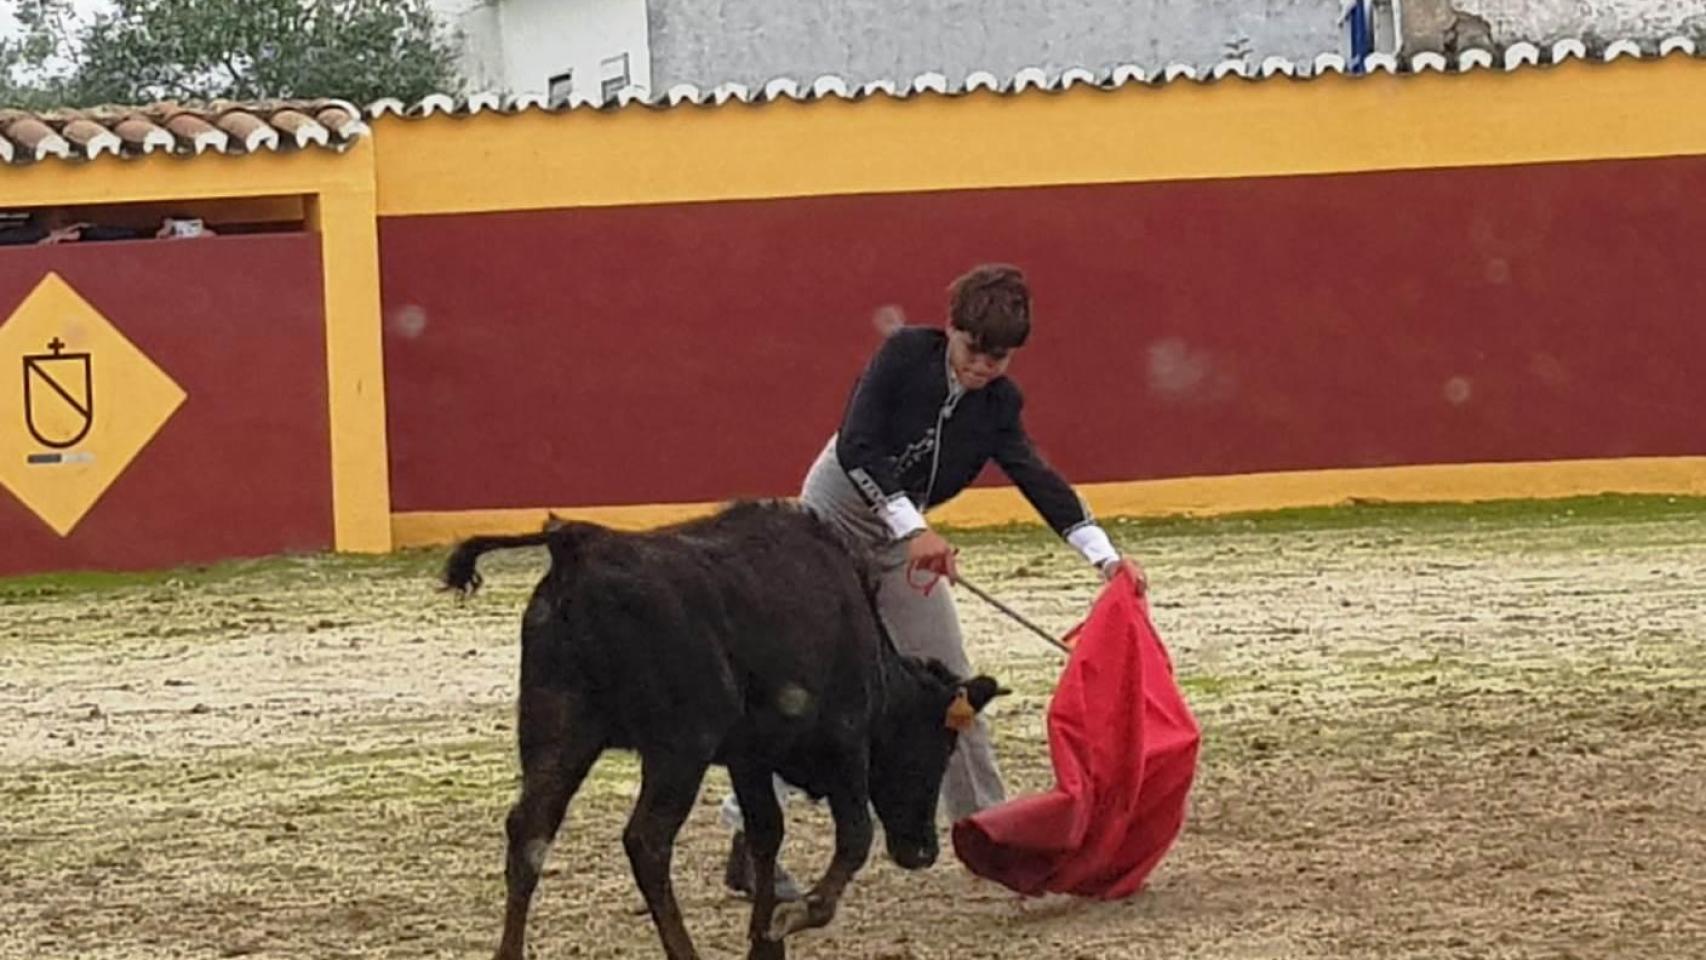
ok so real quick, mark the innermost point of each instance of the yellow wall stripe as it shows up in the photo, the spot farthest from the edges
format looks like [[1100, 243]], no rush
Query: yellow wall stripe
[[1188, 496], [157, 177], [355, 362], [1229, 128]]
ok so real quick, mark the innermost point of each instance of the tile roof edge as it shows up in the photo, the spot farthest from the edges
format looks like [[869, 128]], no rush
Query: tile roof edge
[[227, 127], [126, 132], [1523, 55]]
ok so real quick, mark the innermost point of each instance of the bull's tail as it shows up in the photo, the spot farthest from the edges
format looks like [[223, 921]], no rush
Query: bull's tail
[[461, 573]]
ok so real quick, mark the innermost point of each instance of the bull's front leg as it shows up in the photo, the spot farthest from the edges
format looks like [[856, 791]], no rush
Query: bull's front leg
[[762, 819], [851, 808]]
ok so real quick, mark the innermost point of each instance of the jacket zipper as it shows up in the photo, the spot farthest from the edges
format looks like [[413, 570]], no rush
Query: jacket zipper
[[948, 404]]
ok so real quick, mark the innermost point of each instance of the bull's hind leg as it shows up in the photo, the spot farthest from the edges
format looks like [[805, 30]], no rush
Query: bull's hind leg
[[559, 741], [668, 789], [762, 817]]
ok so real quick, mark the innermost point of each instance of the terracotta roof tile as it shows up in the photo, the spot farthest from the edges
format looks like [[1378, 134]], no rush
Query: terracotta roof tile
[[29, 138], [187, 129]]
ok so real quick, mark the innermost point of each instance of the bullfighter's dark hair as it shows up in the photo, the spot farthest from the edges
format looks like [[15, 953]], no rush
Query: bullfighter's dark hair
[[992, 302]]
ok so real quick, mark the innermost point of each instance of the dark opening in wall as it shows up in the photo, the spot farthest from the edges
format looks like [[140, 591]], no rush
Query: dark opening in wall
[[152, 220]]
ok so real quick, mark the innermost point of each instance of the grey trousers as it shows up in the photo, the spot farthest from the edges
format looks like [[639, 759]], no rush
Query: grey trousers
[[923, 626]]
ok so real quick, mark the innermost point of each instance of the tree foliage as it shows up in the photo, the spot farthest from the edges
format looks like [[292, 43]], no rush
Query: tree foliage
[[33, 65], [198, 50]]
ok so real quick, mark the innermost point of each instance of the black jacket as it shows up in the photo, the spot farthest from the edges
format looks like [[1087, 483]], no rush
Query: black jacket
[[890, 446]]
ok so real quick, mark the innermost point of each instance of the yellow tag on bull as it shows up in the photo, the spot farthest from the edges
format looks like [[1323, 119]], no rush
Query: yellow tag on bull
[[961, 714]]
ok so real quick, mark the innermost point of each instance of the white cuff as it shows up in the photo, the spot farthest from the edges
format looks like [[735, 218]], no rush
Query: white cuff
[[902, 517], [1092, 541]]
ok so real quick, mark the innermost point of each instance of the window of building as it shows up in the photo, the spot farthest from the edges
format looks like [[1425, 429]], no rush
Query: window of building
[[613, 73], [560, 87]]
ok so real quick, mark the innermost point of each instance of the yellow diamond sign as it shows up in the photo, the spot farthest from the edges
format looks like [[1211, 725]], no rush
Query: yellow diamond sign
[[78, 402]]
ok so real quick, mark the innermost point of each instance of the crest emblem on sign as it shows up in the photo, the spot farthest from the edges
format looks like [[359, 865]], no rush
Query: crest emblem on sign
[[89, 403], [59, 396]]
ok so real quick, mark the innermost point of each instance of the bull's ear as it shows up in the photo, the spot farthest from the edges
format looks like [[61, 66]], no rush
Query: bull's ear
[[981, 690]]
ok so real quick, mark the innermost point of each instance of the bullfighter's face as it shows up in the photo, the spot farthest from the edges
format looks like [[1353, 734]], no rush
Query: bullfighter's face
[[974, 368]]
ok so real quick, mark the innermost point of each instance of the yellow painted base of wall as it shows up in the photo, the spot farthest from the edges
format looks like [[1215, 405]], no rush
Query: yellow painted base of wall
[[1186, 496]]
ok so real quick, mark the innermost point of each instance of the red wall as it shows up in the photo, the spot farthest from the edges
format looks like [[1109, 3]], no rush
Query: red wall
[[243, 467], [695, 352]]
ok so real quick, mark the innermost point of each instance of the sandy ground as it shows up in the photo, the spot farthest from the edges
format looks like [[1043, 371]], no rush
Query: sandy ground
[[1468, 736]]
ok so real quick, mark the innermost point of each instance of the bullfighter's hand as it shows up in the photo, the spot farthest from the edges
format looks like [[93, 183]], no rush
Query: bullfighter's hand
[[1112, 568], [931, 552], [70, 233]]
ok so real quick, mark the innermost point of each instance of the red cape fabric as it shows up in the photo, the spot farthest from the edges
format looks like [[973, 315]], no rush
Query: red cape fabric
[[1124, 747]]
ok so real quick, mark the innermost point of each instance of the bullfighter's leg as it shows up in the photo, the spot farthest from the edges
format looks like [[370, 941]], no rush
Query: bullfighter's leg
[[851, 807], [669, 788], [559, 742], [763, 824], [929, 626], [925, 626]]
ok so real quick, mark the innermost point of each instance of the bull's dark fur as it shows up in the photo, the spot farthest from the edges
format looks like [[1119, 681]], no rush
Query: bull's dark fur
[[749, 639]]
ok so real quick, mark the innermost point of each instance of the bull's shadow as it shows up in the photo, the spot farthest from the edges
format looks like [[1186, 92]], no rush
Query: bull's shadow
[[749, 640]]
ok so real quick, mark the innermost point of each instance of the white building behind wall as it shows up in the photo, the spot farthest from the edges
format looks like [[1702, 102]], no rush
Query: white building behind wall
[[592, 48], [554, 48]]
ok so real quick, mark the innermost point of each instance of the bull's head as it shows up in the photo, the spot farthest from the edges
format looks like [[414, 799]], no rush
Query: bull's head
[[909, 755]]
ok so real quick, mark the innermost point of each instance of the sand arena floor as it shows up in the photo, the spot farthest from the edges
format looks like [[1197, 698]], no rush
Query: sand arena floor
[[1453, 732]]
